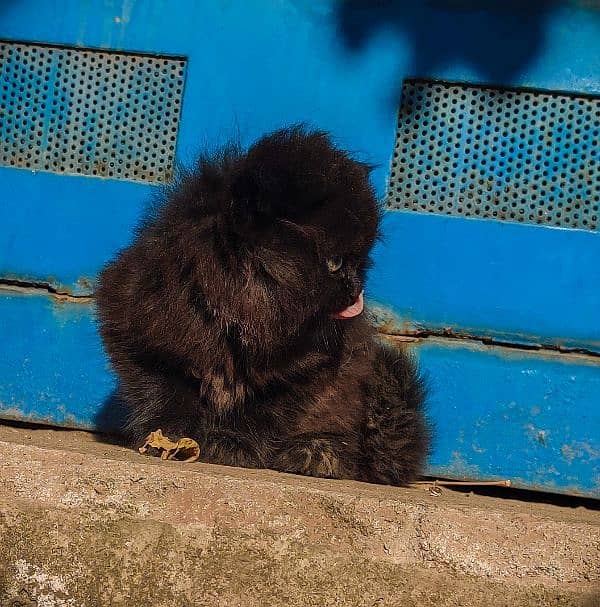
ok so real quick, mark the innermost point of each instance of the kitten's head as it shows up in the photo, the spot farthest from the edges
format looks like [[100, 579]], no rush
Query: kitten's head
[[299, 219]]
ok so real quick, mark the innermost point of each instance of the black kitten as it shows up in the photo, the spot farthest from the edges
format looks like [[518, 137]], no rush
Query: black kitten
[[235, 318]]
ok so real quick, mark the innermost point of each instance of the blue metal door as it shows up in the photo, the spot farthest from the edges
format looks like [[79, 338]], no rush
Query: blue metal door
[[489, 269]]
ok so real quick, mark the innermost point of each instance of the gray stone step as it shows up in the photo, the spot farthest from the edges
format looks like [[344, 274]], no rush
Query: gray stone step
[[85, 523]]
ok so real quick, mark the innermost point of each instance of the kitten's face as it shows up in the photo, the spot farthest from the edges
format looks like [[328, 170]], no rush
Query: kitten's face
[[348, 230], [316, 254], [297, 219]]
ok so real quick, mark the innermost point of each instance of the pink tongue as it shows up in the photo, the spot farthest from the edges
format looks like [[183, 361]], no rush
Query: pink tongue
[[354, 310]]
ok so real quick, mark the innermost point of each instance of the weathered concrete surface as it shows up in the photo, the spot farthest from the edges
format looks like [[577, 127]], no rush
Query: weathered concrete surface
[[87, 523]]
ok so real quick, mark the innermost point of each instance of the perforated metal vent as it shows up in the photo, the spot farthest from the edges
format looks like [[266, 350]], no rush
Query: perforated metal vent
[[89, 112], [509, 155]]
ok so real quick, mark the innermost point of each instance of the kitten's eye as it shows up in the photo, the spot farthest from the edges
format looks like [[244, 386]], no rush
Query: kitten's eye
[[335, 263]]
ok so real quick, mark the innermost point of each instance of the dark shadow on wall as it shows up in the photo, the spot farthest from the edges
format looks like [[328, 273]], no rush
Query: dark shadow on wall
[[4, 6], [110, 419], [498, 38]]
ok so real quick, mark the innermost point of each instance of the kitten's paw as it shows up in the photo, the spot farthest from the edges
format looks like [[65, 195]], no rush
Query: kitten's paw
[[312, 457], [233, 449]]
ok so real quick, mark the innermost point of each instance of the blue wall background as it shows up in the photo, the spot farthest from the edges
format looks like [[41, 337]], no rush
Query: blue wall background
[[339, 65]]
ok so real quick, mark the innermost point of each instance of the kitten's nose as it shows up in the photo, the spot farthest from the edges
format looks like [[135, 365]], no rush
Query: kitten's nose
[[352, 310]]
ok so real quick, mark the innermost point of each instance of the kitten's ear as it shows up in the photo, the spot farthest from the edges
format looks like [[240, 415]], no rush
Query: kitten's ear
[[283, 176], [250, 210]]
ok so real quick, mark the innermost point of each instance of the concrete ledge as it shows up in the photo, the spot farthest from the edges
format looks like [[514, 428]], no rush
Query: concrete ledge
[[86, 523]]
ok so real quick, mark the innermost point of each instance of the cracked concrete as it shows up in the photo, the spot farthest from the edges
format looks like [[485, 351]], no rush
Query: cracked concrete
[[85, 523]]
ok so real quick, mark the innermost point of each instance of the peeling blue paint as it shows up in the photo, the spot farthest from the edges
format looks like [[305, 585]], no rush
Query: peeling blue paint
[[482, 401], [481, 397], [52, 369], [516, 283]]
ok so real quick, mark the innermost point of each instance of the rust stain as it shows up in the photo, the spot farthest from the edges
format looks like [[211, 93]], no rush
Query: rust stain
[[85, 283], [579, 450], [64, 297], [568, 453], [407, 332], [536, 434], [14, 413], [30, 288]]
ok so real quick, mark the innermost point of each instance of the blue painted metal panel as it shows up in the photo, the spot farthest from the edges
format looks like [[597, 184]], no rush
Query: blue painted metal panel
[[89, 112], [504, 413], [502, 154], [256, 65], [52, 369], [519, 283], [499, 413], [59, 229]]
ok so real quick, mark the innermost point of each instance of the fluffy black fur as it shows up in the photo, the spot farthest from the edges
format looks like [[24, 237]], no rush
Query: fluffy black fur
[[219, 321]]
